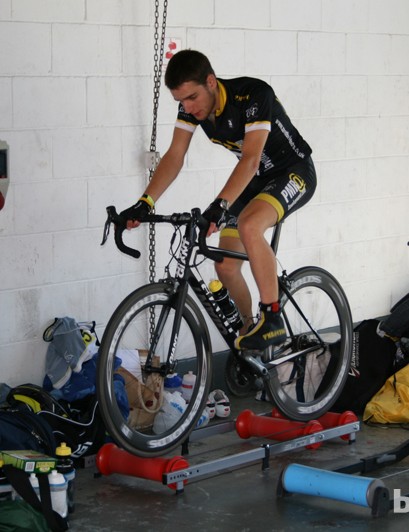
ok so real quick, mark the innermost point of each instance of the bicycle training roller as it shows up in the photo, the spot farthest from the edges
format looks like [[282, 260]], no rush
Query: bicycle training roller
[[111, 459], [329, 420], [361, 491], [249, 424]]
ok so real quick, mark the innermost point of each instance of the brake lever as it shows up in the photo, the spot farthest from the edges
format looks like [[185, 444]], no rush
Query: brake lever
[[107, 227], [203, 225]]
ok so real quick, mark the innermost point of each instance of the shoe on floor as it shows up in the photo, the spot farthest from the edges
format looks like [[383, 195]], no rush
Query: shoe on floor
[[211, 407], [221, 402], [269, 330]]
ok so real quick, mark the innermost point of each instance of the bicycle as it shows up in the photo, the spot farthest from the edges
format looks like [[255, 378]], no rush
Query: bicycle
[[303, 377]]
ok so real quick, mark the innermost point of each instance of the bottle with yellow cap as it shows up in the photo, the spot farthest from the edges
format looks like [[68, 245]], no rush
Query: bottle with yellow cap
[[226, 304], [65, 465]]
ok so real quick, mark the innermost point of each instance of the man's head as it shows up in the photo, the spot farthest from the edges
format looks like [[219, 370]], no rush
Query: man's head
[[191, 80], [187, 65]]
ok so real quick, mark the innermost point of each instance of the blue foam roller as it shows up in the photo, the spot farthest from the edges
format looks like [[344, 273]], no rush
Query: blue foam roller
[[338, 486]]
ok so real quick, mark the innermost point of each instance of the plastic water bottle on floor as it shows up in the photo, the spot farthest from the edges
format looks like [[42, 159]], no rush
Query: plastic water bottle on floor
[[58, 489], [65, 466], [188, 382]]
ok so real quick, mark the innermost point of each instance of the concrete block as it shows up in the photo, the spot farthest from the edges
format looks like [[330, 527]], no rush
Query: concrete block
[[346, 16], [25, 49], [377, 54], [270, 62], [87, 152], [49, 10], [388, 95], [30, 153], [343, 180], [227, 14], [387, 177], [83, 50], [117, 101], [192, 14], [6, 118], [5, 10], [124, 12], [295, 15], [137, 41], [377, 136], [59, 102], [344, 96], [27, 262], [26, 362], [388, 17], [64, 206], [78, 256], [321, 53]]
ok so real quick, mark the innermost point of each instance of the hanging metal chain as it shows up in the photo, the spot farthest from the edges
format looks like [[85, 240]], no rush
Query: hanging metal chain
[[159, 47]]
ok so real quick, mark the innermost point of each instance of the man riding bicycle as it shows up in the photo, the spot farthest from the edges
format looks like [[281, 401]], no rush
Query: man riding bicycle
[[274, 176]]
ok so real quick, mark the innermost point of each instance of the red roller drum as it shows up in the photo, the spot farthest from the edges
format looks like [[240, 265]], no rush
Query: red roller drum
[[111, 459], [249, 424]]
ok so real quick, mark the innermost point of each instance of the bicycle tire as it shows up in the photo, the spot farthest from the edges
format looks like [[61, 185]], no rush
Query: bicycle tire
[[129, 328], [305, 388]]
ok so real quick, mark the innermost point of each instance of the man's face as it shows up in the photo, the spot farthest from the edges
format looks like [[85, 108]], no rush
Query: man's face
[[197, 100]]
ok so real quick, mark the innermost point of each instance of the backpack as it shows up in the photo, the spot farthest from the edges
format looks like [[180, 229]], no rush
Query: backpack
[[396, 325], [21, 429], [84, 433], [78, 424], [373, 361]]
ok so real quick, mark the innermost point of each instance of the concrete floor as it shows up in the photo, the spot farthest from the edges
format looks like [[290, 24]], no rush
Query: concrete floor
[[242, 499]]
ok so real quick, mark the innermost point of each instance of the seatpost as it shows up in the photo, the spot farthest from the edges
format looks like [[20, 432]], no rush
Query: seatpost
[[276, 237]]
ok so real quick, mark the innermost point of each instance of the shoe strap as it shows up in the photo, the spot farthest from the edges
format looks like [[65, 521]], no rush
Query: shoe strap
[[271, 307]]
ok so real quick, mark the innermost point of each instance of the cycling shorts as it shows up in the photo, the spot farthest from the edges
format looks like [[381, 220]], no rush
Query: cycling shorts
[[286, 191]]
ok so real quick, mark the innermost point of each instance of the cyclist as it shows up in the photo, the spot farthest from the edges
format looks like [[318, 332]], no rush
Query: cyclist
[[274, 176]]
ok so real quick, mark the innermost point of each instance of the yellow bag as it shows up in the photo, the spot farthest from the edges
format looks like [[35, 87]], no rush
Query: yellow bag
[[391, 403]]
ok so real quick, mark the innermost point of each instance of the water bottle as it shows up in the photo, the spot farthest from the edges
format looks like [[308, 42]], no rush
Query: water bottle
[[227, 305], [65, 466], [58, 489], [34, 482], [173, 383], [188, 382]]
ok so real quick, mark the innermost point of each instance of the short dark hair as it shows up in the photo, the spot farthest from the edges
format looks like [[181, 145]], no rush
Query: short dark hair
[[187, 65]]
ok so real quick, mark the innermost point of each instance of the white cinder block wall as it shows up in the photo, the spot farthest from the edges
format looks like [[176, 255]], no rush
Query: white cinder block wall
[[76, 111]]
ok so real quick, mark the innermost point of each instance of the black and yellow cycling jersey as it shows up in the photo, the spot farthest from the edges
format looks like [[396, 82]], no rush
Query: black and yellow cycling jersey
[[248, 104]]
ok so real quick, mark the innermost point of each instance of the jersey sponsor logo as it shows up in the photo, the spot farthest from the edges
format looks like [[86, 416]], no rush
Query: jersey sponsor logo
[[252, 111], [241, 98], [289, 138], [293, 190]]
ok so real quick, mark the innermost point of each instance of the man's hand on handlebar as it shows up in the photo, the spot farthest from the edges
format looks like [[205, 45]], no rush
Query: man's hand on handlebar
[[216, 215], [137, 213]]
